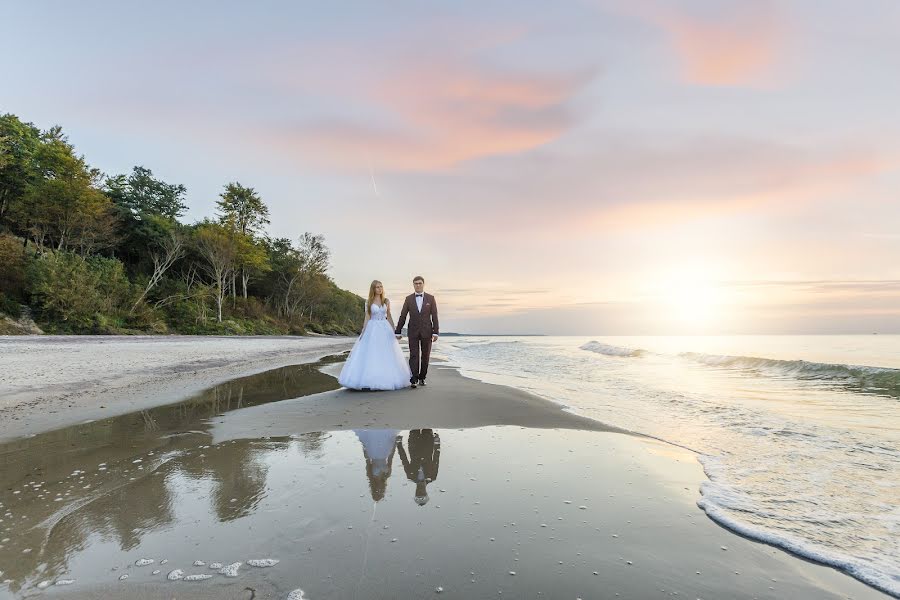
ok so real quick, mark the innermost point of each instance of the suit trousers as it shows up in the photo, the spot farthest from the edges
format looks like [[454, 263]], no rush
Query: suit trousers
[[419, 353]]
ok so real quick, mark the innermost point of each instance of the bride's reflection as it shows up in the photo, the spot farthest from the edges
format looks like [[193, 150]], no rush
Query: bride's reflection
[[421, 465], [378, 450]]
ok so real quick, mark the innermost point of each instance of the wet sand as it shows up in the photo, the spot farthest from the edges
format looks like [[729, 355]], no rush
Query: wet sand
[[47, 382], [458, 490]]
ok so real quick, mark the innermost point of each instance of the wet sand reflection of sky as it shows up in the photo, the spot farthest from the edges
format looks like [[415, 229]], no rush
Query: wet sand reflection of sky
[[371, 513]]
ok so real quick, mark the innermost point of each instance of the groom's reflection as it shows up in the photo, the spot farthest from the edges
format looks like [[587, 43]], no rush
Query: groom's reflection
[[421, 465]]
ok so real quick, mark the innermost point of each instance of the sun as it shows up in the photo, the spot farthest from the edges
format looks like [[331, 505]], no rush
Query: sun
[[694, 303], [689, 296]]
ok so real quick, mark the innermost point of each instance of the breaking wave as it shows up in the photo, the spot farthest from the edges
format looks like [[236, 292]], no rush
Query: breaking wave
[[869, 379], [608, 350]]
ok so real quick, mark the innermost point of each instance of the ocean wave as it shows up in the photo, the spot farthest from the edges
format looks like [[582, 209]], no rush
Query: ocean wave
[[721, 503], [871, 379], [606, 349]]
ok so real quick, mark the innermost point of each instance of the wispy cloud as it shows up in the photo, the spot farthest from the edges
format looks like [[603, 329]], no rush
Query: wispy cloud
[[499, 297], [731, 42], [861, 286], [437, 113], [627, 182]]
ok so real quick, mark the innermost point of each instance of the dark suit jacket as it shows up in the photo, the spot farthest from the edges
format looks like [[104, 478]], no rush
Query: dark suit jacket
[[424, 452], [420, 323]]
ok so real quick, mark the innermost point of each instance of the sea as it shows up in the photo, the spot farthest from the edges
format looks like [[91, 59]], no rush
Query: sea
[[799, 436]]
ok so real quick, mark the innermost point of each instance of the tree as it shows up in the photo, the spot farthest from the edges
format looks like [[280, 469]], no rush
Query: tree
[[147, 209], [242, 210], [252, 258], [314, 253], [19, 143], [297, 273], [216, 246], [62, 209], [142, 194], [13, 261], [170, 250]]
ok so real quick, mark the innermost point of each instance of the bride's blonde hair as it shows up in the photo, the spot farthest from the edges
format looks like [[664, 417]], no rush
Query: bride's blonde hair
[[375, 283]]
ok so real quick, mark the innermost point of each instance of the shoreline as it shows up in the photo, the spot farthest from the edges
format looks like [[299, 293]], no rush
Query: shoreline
[[666, 477], [121, 374]]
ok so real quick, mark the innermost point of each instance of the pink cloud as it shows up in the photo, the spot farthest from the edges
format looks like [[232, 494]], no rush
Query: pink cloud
[[433, 113], [737, 43]]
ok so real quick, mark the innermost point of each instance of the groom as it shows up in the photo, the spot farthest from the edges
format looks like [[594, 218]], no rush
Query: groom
[[423, 329]]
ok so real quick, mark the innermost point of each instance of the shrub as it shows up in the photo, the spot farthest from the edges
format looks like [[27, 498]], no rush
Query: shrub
[[10, 306], [77, 294], [12, 267]]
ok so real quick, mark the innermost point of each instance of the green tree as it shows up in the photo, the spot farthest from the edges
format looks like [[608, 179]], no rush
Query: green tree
[[242, 210], [19, 143], [217, 248], [167, 252], [294, 284], [13, 261], [63, 209], [142, 194], [148, 211], [252, 259]]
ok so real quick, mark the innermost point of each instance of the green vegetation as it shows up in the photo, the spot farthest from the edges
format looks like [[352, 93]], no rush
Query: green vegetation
[[91, 253]]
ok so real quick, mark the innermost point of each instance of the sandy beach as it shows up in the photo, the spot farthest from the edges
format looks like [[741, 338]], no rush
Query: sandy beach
[[47, 382], [512, 497]]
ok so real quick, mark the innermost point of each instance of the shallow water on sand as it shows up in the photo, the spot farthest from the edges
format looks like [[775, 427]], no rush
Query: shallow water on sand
[[799, 435], [485, 512], [49, 477]]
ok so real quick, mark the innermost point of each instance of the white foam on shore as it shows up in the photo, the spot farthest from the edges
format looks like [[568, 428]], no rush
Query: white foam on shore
[[263, 562], [719, 500]]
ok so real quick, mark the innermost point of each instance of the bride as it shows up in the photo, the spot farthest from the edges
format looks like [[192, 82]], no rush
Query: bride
[[376, 361]]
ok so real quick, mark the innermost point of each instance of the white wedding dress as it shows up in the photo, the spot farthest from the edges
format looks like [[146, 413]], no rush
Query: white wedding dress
[[376, 361]]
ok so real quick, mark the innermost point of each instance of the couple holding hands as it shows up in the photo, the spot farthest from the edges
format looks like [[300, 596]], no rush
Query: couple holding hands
[[376, 361]]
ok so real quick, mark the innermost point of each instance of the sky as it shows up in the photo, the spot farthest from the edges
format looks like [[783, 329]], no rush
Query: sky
[[584, 167]]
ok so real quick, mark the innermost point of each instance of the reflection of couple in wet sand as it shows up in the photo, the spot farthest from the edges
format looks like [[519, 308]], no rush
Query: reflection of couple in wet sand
[[420, 462]]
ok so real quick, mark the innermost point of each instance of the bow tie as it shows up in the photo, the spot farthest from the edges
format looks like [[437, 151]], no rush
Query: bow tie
[[418, 295]]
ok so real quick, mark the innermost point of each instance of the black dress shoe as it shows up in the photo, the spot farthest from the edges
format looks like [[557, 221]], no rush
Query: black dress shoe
[[422, 382], [412, 384]]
